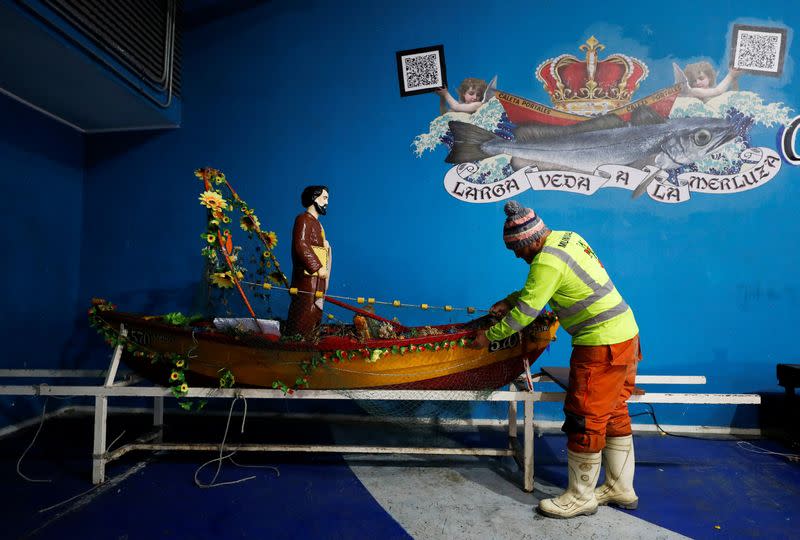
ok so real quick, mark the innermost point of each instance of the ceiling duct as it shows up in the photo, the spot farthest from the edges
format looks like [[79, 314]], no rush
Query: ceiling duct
[[143, 35], [94, 65]]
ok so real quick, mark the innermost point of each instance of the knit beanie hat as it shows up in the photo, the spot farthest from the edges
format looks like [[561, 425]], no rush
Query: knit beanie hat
[[522, 227]]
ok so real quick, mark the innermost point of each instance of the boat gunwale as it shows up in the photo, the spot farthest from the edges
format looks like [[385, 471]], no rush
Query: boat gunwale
[[266, 341]]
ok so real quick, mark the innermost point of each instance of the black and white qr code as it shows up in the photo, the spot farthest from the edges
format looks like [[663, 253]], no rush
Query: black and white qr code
[[759, 51], [422, 71]]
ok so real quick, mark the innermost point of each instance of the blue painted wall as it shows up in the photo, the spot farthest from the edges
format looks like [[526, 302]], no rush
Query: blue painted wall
[[281, 95], [42, 209]]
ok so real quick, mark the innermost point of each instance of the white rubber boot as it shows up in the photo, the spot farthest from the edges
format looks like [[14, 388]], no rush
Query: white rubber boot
[[578, 499], [619, 463]]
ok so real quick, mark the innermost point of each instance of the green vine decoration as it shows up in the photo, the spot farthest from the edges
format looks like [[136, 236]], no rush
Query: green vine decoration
[[178, 364], [367, 354]]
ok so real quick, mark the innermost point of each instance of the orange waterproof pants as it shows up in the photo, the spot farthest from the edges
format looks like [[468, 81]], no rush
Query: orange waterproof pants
[[601, 379]]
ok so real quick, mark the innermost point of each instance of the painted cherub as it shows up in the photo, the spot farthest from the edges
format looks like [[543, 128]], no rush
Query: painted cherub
[[471, 93], [701, 80]]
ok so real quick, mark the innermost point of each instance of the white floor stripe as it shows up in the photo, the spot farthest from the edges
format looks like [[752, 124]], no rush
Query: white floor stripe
[[470, 501]]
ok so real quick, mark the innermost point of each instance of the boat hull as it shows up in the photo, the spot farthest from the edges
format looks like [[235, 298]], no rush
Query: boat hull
[[429, 362]]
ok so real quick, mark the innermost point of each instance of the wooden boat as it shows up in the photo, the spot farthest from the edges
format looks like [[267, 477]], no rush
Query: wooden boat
[[439, 360]]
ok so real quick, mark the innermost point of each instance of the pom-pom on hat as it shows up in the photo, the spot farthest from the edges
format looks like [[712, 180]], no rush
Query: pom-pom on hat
[[522, 227]]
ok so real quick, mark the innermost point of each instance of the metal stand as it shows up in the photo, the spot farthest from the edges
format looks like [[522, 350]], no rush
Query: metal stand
[[522, 453]]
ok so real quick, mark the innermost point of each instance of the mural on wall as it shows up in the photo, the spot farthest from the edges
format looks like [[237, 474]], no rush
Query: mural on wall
[[690, 137]]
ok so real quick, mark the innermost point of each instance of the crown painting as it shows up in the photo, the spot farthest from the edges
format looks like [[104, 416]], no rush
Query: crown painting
[[691, 136]]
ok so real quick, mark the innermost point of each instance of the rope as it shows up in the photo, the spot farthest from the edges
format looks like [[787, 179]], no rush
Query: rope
[[222, 457], [363, 300]]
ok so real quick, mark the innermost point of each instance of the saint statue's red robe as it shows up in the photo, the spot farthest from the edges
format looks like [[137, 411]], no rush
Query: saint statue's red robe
[[305, 310]]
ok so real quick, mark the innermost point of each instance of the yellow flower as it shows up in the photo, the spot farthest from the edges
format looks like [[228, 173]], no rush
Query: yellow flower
[[271, 239], [226, 219], [199, 173], [213, 223], [179, 363], [211, 238], [174, 376], [213, 201], [223, 280], [219, 178], [249, 222], [184, 388]]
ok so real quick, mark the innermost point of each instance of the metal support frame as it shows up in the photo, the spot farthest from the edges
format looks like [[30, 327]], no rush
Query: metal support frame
[[522, 453]]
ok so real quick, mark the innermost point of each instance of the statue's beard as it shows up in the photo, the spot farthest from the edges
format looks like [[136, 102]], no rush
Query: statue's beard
[[321, 210]]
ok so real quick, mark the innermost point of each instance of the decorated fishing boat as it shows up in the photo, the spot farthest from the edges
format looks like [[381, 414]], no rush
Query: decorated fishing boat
[[371, 353], [430, 357]]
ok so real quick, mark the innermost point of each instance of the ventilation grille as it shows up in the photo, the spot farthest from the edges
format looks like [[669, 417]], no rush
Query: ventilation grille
[[143, 35]]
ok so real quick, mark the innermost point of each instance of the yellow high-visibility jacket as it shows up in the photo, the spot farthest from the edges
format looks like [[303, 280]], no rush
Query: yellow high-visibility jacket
[[568, 275]]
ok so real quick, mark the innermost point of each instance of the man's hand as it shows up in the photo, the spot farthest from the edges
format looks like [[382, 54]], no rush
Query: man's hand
[[480, 341], [500, 309]]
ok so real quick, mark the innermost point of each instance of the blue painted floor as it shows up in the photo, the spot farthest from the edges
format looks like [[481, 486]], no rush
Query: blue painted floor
[[704, 488], [699, 488]]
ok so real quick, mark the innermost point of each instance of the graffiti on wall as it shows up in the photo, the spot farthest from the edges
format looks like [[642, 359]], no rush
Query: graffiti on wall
[[688, 138]]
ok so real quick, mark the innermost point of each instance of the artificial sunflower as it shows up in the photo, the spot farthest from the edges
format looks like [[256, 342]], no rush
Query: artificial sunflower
[[213, 201], [184, 388], [271, 239], [249, 222], [180, 363], [174, 376], [223, 280], [211, 238]]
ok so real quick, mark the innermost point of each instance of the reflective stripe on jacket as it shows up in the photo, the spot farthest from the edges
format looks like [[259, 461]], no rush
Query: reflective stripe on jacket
[[568, 275]]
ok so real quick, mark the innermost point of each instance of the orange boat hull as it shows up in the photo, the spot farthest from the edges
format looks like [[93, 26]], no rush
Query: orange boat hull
[[258, 360]]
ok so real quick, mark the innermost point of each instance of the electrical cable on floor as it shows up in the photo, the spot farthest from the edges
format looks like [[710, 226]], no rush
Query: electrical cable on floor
[[661, 430], [221, 458], [36, 435], [750, 447], [19, 461]]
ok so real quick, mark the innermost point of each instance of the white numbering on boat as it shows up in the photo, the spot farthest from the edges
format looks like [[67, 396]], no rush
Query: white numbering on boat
[[507, 343]]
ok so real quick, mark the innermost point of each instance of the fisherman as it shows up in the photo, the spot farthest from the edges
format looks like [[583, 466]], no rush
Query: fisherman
[[311, 264], [565, 272]]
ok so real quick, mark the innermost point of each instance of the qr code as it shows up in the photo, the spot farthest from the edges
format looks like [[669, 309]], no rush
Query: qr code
[[759, 51], [421, 71]]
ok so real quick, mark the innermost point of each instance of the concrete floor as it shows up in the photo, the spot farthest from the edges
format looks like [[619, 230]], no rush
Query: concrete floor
[[696, 488]]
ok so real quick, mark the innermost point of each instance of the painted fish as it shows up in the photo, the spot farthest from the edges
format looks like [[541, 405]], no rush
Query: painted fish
[[647, 139]]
